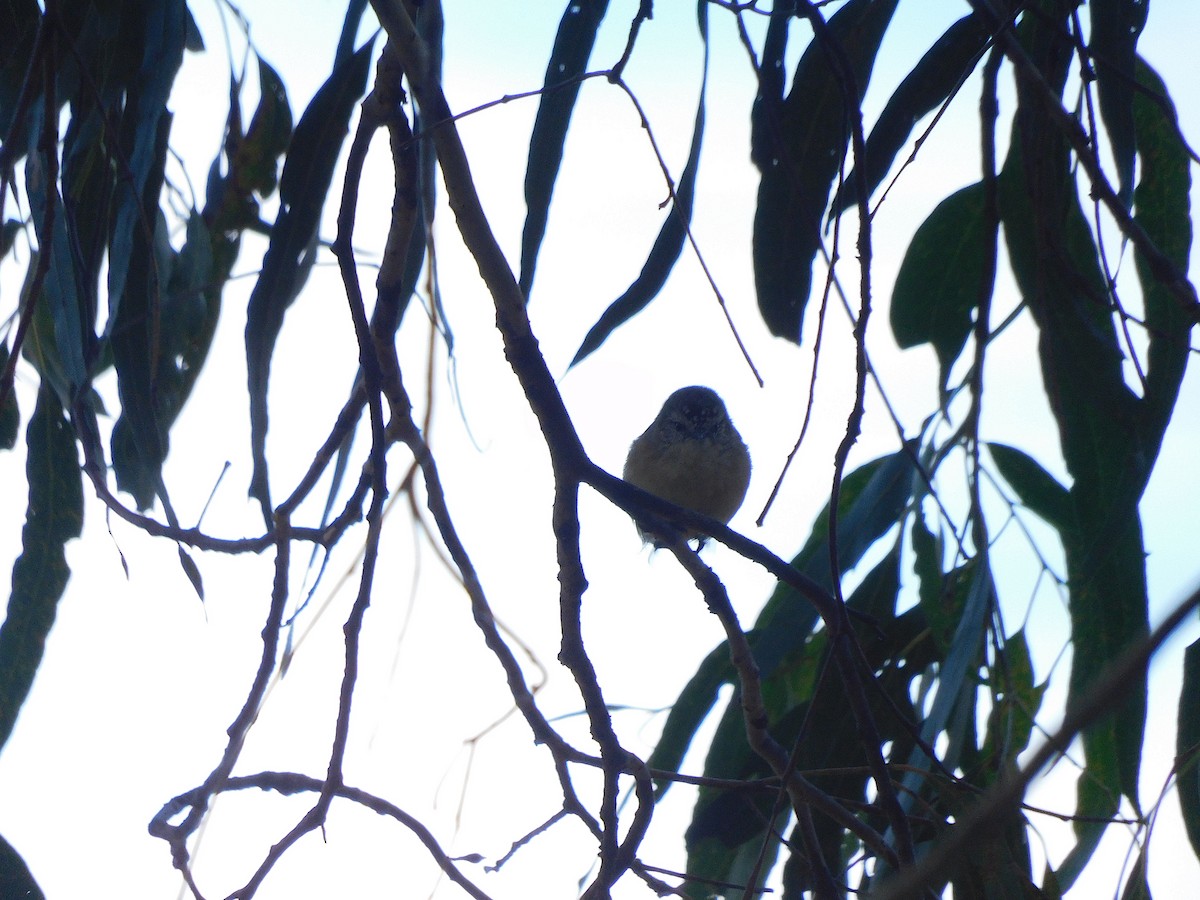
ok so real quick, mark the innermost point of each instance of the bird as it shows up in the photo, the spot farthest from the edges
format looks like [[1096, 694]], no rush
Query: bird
[[692, 456]]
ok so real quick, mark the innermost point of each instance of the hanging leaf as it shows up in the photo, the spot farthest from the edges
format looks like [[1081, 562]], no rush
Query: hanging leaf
[[688, 712], [10, 414], [1101, 428], [16, 880], [307, 175], [161, 31], [669, 243], [141, 436], [943, 276], [1137, 887], [65, 307], [1116, 27], [1163, 210], [1017, 700], [930, 83], [1187, 745], [801, 155], [1035, 487], [39, 576], [255, 163], [18, 27], [568, 60]]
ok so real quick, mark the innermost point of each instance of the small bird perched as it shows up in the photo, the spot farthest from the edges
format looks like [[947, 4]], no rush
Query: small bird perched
[[692, 456]]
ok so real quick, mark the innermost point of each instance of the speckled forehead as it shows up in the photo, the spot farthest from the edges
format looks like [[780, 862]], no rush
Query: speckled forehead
[[696, 401]]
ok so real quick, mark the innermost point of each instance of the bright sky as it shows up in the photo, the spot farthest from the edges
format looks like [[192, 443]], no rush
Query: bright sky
[[140, 679]]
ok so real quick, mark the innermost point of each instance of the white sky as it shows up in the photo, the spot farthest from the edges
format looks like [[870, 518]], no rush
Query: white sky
[[140, 680]]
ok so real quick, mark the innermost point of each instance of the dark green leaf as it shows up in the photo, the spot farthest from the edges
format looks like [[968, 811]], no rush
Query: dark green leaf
[[943, 276], [1116, 27], [971, 590], [1137, 887], [568, 60], [255, 163], [1016, 703], [1102, 433], [8, 235], [1162, 209], [875, 596], [998, 865], [691, 708], [1101, 429], [801, 162], [729, 816], [18, 25], [140, 437], [10, 414], [1187, 745], [350, 26], [16, 881], [193, 40], [939, 602], [160, 35], [932, 80], [54, 516], [873, 497], [307, 174], [766, 112], [192, 571], [65, 308], [1035, 487], [318, 137], [669, 243]]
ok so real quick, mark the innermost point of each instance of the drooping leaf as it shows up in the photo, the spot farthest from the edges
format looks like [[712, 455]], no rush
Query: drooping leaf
[[1056, 263], [255, 163], [969, 591], [765, 114], [560, 89], [1035, 487], [1116, 27], [192, 571], [940, 603], [1187, 745], [669, 243], [688, 711], [53, 516], [16, 881], [998, 864], [1163, 210], [871, 502], [943, 276], [18, 25], [141, 436], [160, 35], [10, 413], [193, 40], [8, 235], [1017, 700], [1137, 887], [303, 187], [930, 82], [350, 25], [807, 146], [69, 340]]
